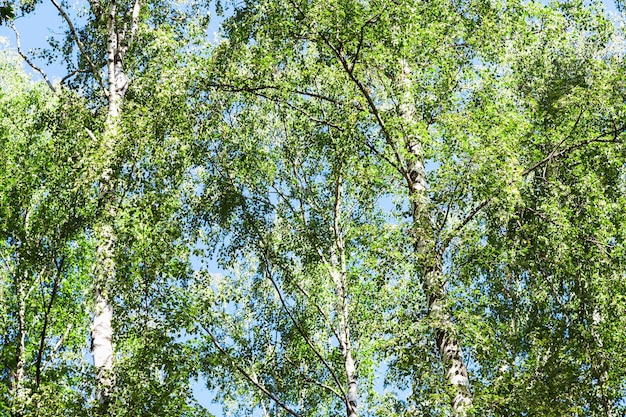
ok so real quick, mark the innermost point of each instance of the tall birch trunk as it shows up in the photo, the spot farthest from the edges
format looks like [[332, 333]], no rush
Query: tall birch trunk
[[425, 248], [599, 364], [102, 348], [102, 327], [338, 274]]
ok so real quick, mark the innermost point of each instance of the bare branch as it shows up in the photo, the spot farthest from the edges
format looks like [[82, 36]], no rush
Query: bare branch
[[91, 135], [27, 59]]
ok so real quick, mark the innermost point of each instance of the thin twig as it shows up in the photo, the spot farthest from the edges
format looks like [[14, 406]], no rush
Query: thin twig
[[298, 327], [551, 156], [46, 320], [71, 74], [314, 381]]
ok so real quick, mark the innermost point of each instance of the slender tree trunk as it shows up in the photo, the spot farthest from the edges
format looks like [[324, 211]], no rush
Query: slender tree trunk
[[344, 340], [599, 364], [102, 327], [102, 348], [19, 391], [339, 276], [425, 248]]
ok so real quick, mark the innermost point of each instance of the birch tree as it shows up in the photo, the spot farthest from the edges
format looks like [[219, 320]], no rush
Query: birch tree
[[550, 262], [112, 47], [296, 316], [416, 209], [368, 46], [426, 84]]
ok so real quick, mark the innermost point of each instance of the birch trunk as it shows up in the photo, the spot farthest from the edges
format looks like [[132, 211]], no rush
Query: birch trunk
[[102, 348], [102, 326], [338, 273], [19, 392], [600, 366], [434, 282]]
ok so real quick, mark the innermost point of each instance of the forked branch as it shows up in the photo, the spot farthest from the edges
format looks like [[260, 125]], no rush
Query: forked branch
[[79, 43]]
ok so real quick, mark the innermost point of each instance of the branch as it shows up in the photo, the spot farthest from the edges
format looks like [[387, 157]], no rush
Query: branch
[[257, 91], [44, 330], [58, 345], [370, 101], [28, 61], [319, 309], [122, 44], [253, 90], [361, 37], [448, 207], [295, 323], [246, 374], [96, 9], [79, 43], [72, 74], [314, 381], [135, 22], [551, 156], [597, 139], [385, 157]]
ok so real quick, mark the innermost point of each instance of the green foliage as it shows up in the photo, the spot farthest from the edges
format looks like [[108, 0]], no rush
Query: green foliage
[[43, 212], [6, 13], [266, 231]]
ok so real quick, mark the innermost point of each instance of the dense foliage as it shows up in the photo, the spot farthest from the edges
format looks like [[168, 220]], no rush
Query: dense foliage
[[339, 207]]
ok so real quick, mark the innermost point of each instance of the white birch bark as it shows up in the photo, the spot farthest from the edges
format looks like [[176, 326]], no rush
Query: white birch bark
[[102, 326], [434, 283], [336, 266], [102, 349], [599, 364], [338, 273]]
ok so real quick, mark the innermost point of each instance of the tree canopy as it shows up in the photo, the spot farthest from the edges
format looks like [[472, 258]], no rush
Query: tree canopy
[[338, 207]]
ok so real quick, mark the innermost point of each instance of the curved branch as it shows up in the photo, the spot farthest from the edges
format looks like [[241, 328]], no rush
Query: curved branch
[[27, 59], [70, 75], [79, 43], [46, 320], [314, 381], [295, 323], [551, 156]]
